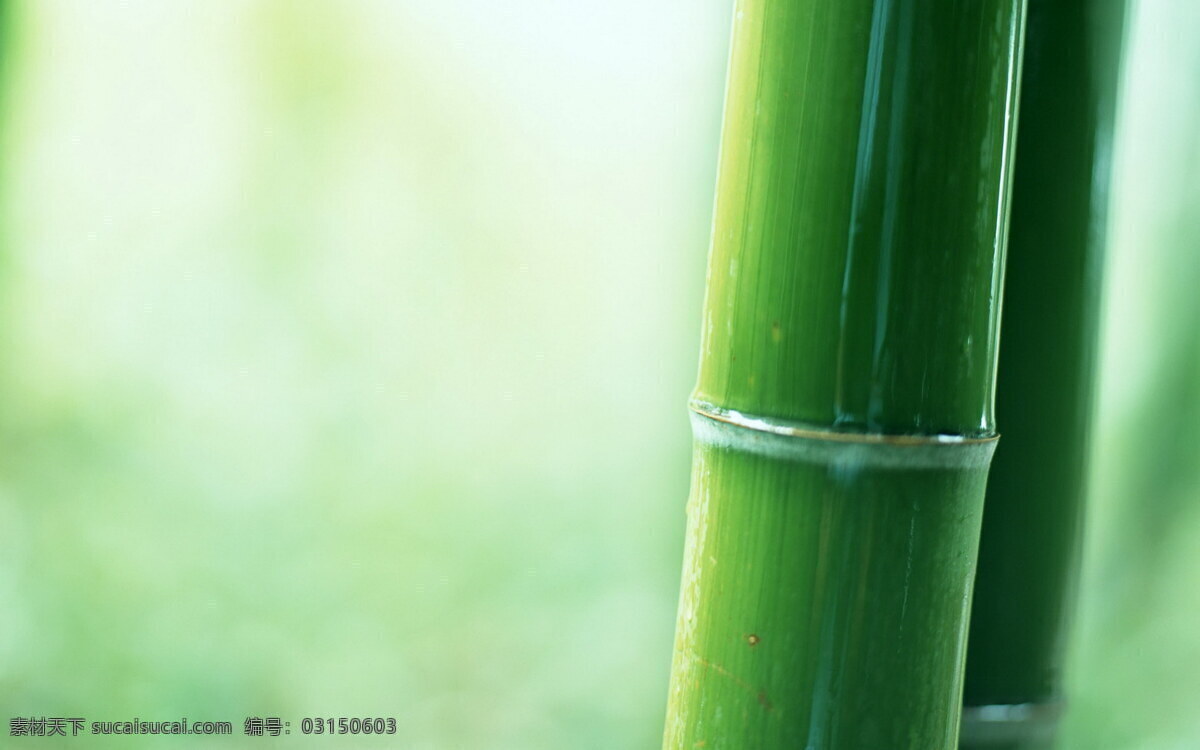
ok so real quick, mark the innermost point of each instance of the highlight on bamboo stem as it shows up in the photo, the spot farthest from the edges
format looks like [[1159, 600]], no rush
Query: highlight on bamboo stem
[[1031, 529], [843, 411]]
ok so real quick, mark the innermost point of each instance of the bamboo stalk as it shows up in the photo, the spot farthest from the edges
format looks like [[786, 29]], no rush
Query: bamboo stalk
[[843, 411], [1030, 544]]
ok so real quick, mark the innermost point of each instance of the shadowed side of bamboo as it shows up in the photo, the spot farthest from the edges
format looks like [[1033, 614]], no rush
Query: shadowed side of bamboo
[[1031, 528], [843, 410]]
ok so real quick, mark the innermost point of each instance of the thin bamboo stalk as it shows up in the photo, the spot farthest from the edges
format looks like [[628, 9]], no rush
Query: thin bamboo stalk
[[843, 411], [1030, 544]]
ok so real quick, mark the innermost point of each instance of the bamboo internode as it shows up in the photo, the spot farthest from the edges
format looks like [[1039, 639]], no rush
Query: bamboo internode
[[1032, 525]]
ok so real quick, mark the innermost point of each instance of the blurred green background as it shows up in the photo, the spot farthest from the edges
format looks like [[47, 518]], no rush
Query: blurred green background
[[345, 353]]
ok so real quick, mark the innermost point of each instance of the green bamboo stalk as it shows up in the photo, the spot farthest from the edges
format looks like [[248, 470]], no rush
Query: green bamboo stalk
[[843, 412], [1031, 529]]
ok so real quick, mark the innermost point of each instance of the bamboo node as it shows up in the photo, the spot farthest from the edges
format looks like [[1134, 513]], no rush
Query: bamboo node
[[792, 441], [997, 726]]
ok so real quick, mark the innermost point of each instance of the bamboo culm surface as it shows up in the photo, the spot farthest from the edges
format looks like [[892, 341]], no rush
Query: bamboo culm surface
[[843, 411], [1030, 544]]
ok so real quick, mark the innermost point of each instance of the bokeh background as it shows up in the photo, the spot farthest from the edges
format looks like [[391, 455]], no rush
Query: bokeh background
[[345, 347]]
